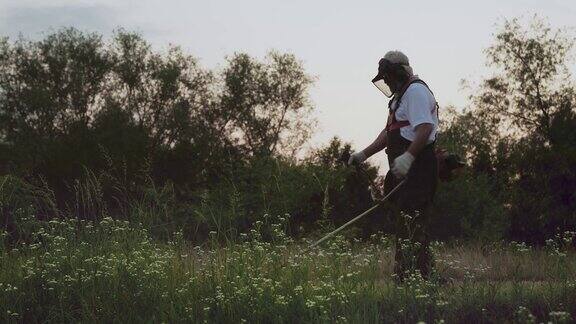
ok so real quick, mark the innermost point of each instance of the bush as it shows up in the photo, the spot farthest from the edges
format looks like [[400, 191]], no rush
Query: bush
[[467, 208]]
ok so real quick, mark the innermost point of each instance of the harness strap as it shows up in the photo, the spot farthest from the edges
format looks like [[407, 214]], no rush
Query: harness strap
[[397, 124], [393, 123]]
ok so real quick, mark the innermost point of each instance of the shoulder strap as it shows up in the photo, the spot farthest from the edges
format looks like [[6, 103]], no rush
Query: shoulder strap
[[399, 95], [393, 124]]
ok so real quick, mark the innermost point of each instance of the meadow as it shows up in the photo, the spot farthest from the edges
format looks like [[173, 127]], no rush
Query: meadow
[[115, 271]]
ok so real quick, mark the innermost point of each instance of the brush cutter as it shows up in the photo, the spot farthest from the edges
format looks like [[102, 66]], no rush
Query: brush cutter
[[334, 232], [446, 164]]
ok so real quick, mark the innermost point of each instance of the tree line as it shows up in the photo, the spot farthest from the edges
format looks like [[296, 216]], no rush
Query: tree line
[[114, 127]]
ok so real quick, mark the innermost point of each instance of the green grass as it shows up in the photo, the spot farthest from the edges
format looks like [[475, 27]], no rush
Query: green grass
[[113, 271]]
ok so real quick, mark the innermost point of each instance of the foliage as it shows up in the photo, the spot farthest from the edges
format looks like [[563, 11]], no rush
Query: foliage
[[266, 104], [91, 128], [534, 81], [466, 208], [73, 101], [112, 270], [518, 135]]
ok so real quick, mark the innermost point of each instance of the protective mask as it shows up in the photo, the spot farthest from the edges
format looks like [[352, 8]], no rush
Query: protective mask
[[382, 86]]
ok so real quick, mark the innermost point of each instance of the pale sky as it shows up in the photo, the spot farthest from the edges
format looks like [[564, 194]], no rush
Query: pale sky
[[340, 42]]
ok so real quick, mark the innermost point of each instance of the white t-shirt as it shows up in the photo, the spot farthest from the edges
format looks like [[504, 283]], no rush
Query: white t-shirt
[[418, 106]]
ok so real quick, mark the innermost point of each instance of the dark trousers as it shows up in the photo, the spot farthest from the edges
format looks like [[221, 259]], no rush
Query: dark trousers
[[410, 208]]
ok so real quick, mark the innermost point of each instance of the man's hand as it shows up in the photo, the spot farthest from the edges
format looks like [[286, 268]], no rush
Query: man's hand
[[402, 164], [357, 158]]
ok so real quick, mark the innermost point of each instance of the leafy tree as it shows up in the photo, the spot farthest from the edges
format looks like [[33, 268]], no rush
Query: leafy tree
[[266, 103], [535, 83], [520, 128], [72, 102], [50, 89]]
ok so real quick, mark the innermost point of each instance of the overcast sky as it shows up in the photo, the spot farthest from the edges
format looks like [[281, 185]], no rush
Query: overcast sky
[[340, 42]]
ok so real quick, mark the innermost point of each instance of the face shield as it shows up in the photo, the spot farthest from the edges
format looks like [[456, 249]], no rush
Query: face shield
[[386, 71], [382, 86], [383, 66]]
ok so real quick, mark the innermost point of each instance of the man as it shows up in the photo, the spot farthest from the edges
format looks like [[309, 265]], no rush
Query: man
[[409, 139]]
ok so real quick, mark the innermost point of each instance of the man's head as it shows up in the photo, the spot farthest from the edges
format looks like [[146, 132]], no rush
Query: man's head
[[393, 72]]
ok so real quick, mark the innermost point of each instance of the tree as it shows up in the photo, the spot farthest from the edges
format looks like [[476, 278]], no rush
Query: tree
[[535, 83], [266, 104], [72, 102], [519, 129], [50, 89]]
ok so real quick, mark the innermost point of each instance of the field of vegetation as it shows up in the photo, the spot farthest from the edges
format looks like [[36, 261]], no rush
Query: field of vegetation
[[113, 271]]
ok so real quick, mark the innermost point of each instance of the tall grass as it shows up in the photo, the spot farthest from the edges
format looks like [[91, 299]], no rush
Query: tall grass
[[150, 259]]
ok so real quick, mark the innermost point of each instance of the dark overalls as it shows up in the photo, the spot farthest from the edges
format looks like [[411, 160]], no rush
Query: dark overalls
[[411, 204]]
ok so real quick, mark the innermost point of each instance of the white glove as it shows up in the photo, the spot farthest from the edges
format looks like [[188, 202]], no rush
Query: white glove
[[357, 157], [402, 164]]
